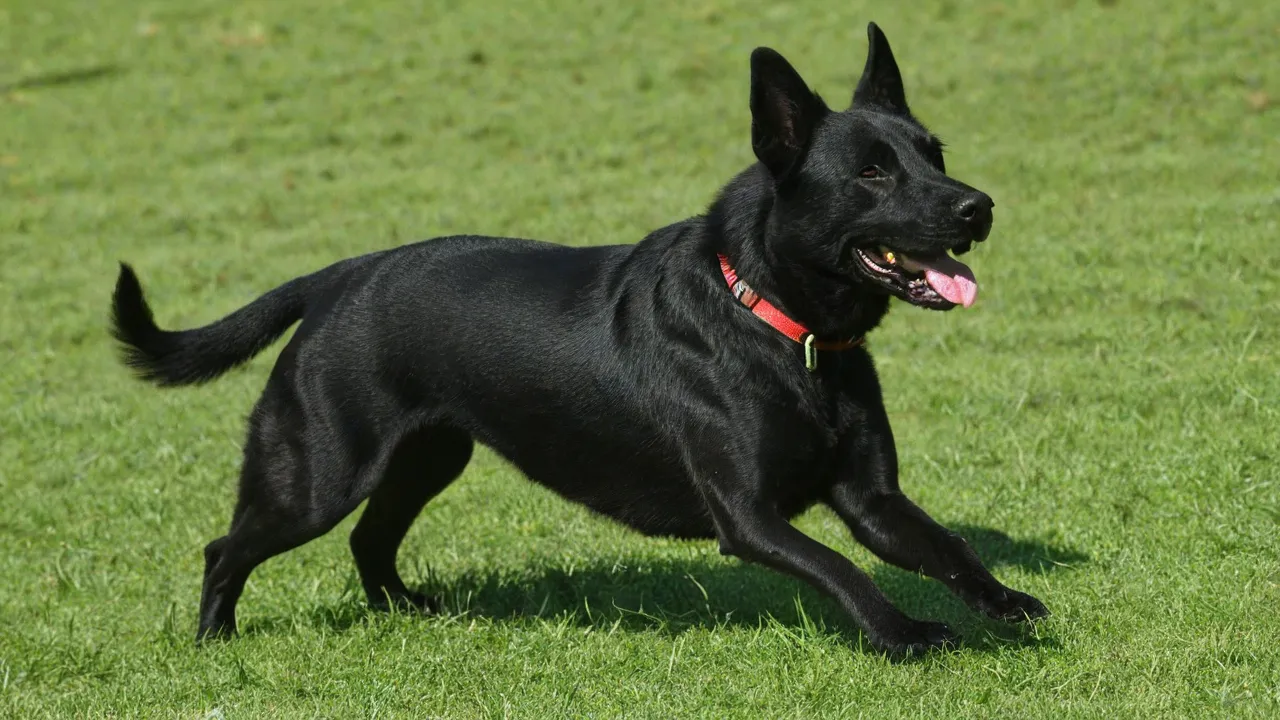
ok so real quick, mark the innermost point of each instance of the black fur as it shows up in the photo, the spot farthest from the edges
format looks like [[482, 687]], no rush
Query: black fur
[[626, 378]]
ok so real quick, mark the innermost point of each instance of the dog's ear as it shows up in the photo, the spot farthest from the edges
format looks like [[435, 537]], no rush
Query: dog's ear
[[784, 112], [881, 83]]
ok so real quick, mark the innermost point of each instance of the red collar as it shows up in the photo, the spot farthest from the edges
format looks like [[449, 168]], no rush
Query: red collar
[[778, 320]]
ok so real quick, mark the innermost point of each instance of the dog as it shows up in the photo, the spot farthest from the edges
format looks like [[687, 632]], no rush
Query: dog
[[710, 381]]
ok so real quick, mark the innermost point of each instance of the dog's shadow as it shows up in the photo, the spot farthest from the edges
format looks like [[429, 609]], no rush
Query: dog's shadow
[[672, 596]]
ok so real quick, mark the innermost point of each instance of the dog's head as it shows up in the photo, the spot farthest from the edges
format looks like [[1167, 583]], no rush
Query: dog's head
[[862, 194]]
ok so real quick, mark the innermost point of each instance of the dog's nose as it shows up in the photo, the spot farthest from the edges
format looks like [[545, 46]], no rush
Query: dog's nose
[[974, 210], [974, 207]]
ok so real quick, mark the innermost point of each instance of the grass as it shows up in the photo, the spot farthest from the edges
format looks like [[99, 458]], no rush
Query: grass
[[1110, 403]]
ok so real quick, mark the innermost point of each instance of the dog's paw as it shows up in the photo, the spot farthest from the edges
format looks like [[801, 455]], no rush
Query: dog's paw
[[408, 600], [1010, 606], [914, 638]]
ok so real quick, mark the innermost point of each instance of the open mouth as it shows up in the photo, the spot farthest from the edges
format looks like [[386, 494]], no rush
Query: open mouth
[[937, 281]]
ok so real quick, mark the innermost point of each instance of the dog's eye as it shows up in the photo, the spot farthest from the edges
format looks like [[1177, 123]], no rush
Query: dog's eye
[[870, 171]]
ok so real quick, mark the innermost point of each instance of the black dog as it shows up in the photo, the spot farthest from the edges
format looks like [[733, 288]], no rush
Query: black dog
[[648, 382]]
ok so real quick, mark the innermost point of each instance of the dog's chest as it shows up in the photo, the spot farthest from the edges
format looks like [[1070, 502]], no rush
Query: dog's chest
[[802, 452]]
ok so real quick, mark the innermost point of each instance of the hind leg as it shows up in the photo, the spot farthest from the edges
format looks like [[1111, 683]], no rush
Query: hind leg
[[255, 537], [264, 526], [423, 464], [297, 482]]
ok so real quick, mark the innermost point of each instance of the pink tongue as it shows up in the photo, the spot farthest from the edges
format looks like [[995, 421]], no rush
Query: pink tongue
[[951, 278]]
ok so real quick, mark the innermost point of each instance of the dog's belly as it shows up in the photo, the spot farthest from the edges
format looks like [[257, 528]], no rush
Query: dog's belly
[[647, 490], [641, 484]]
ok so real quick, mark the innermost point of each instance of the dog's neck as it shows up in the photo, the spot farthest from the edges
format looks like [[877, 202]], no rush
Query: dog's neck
[[832, 306]]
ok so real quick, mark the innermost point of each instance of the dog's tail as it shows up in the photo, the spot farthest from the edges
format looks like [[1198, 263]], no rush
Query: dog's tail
[[190, 357]]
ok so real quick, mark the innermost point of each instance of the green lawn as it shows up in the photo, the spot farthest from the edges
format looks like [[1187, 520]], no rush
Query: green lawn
[[1102, 424]]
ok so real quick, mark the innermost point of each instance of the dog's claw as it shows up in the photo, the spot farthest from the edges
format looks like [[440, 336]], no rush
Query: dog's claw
[[918, 638], [1011, 606], [218, 633], [1025, 608]]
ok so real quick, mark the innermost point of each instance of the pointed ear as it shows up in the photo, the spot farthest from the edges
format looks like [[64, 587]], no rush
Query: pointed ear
[[784, 112], [881, 83]]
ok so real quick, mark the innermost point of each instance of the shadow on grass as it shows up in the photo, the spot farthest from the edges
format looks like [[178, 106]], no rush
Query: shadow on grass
[[998, 550], [74, 76], [673, 596]]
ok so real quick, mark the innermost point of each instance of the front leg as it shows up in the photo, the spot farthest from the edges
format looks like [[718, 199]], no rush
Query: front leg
[[867, 497], [750, 528]]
